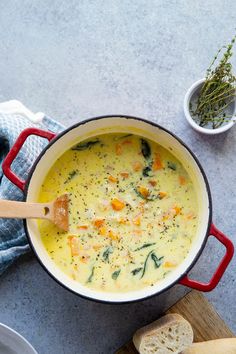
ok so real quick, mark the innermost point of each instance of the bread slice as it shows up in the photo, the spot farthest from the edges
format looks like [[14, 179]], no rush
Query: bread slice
[[171, 334], [216, 346]]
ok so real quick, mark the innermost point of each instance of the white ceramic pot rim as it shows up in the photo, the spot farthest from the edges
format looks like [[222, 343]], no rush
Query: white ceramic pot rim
[[207, 227], [190, 120]]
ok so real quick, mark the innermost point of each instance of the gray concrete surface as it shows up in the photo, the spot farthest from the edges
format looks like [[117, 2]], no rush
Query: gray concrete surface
[[77, 59]]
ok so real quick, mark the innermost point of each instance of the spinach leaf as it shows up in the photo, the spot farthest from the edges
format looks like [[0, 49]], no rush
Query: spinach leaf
[[115, 274], [146, 171], [157, 261], [91, 276], [85, 145], [171, 165], [145, 245], [145, 148], [107, 253], [145, 264], [149, 198], [136, 271]]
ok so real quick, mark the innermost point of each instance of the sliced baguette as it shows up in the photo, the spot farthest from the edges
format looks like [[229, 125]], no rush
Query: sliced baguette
[[171, 334], [216, 346]]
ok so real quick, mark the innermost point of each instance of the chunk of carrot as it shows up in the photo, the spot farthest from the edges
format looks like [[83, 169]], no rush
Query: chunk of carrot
[[162, 195], [137, 166], [176, 210], [137, 220], [124, 174], [143, 191], [137, 232], [103, 231], [117, 204], [118, 149], [153, 183], [112, 235], [82, 227], [157, 163], [182, 180], [98, 222], [70, 237], [112, 179], [73, 243], [166, 216], [189, 216]]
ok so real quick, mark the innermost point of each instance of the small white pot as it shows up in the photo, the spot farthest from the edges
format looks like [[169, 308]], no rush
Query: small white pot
[[187, 99]]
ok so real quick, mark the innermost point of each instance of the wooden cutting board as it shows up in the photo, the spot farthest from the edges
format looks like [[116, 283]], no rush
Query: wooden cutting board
[[205, 321]]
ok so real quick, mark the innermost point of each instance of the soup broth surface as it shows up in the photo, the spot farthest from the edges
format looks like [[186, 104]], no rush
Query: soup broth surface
[[133, 212]]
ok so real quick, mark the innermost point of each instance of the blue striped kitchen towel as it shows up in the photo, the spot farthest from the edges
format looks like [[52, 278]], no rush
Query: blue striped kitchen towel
[[14, 118]]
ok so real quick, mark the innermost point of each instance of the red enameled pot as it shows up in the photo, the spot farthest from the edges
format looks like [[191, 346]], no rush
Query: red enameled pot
[[58, 144]]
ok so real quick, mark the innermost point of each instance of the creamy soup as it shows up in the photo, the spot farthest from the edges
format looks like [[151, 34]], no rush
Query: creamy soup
[[133, 212]]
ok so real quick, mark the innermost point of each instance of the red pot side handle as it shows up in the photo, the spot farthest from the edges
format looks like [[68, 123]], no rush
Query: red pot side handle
[[221, 268], [6, 166]]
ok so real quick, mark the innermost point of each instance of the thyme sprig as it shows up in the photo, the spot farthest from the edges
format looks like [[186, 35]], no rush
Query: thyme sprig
[[217, 92]]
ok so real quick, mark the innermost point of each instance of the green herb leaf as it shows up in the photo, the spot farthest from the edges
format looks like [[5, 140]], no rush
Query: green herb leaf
[[157, 261], [90, 278], [136, 271], [145, 264], [85, 145], [145, 245], [123, 137], [71, 175], [167, 272], [171, 165], [146, 171], [213, 105], [107, 253], [146, 149], [115, 274]]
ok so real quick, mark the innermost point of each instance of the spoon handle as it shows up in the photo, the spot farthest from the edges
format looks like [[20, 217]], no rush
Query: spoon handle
[[24, 210]]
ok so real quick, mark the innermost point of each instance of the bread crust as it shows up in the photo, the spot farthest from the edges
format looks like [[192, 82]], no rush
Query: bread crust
[[216, 346], [160, 324]]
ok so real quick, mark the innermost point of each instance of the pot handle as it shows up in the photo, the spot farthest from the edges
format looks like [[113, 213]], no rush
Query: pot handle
[[6, 166], [221, 268]]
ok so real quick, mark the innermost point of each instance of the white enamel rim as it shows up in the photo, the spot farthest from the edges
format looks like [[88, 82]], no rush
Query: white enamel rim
[[190, 120], [15, 341], [125, 124]]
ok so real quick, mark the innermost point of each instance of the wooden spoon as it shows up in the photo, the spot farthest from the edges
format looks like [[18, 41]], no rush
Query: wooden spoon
[[56, 211]]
